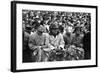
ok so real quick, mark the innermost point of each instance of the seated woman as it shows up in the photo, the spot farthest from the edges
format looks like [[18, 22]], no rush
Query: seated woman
[[37, 41]]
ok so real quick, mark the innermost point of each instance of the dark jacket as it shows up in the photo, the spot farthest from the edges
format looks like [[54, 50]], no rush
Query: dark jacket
[[87, 45]]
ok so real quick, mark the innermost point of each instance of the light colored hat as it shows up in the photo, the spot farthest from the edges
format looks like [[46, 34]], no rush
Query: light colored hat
[[41, 28]]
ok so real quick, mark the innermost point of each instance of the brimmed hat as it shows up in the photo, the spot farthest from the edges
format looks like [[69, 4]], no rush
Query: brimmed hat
[[54, 26], [41, 28]]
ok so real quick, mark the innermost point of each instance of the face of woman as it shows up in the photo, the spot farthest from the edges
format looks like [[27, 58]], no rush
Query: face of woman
[[39, 32]]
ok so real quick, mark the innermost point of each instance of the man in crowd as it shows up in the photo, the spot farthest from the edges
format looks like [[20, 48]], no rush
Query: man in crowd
[[55, 41], [26, 50], [87, 45], [55, 38], [68, 35]]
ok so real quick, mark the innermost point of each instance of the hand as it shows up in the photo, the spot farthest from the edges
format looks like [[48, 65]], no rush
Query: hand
[[39, 47], [43, 46]]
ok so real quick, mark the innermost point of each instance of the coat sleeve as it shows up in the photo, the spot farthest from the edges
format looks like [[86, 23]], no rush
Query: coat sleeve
[[48, 42], [62, 43], [32, 43]]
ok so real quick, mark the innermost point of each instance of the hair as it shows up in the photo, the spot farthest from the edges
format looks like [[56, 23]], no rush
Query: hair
[[51, 33], [53, 26], [77, 29], [61, 28], [35, 25]]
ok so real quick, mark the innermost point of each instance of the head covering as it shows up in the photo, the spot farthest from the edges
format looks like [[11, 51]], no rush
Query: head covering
[[41, 28], [54, 26]]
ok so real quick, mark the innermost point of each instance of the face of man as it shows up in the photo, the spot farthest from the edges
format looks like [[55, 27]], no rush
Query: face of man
[[39, 32], [55, 31]]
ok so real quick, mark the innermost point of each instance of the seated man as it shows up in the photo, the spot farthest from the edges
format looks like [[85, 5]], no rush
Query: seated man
[[55, 39], [37, 41]]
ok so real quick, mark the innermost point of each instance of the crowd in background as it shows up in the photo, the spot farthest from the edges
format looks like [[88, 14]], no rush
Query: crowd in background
[[74, 19], [72, 25]]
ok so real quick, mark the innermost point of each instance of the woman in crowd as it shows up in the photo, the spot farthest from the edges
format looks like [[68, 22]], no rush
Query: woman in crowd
[[37, 42]]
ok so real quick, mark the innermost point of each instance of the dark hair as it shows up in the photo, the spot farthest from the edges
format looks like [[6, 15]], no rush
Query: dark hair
[[53, 26], [61, 28], [42, 22], [52, 33], [35, 25], [77, 29]]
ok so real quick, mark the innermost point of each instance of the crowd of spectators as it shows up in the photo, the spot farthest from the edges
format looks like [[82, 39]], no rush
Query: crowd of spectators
[[78, 23], [74, 19]]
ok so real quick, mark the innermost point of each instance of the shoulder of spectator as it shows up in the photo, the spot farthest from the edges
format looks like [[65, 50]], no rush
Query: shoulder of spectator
[[26, 34], [46, 34], [60, 35], [73, 34], [64, 34]]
